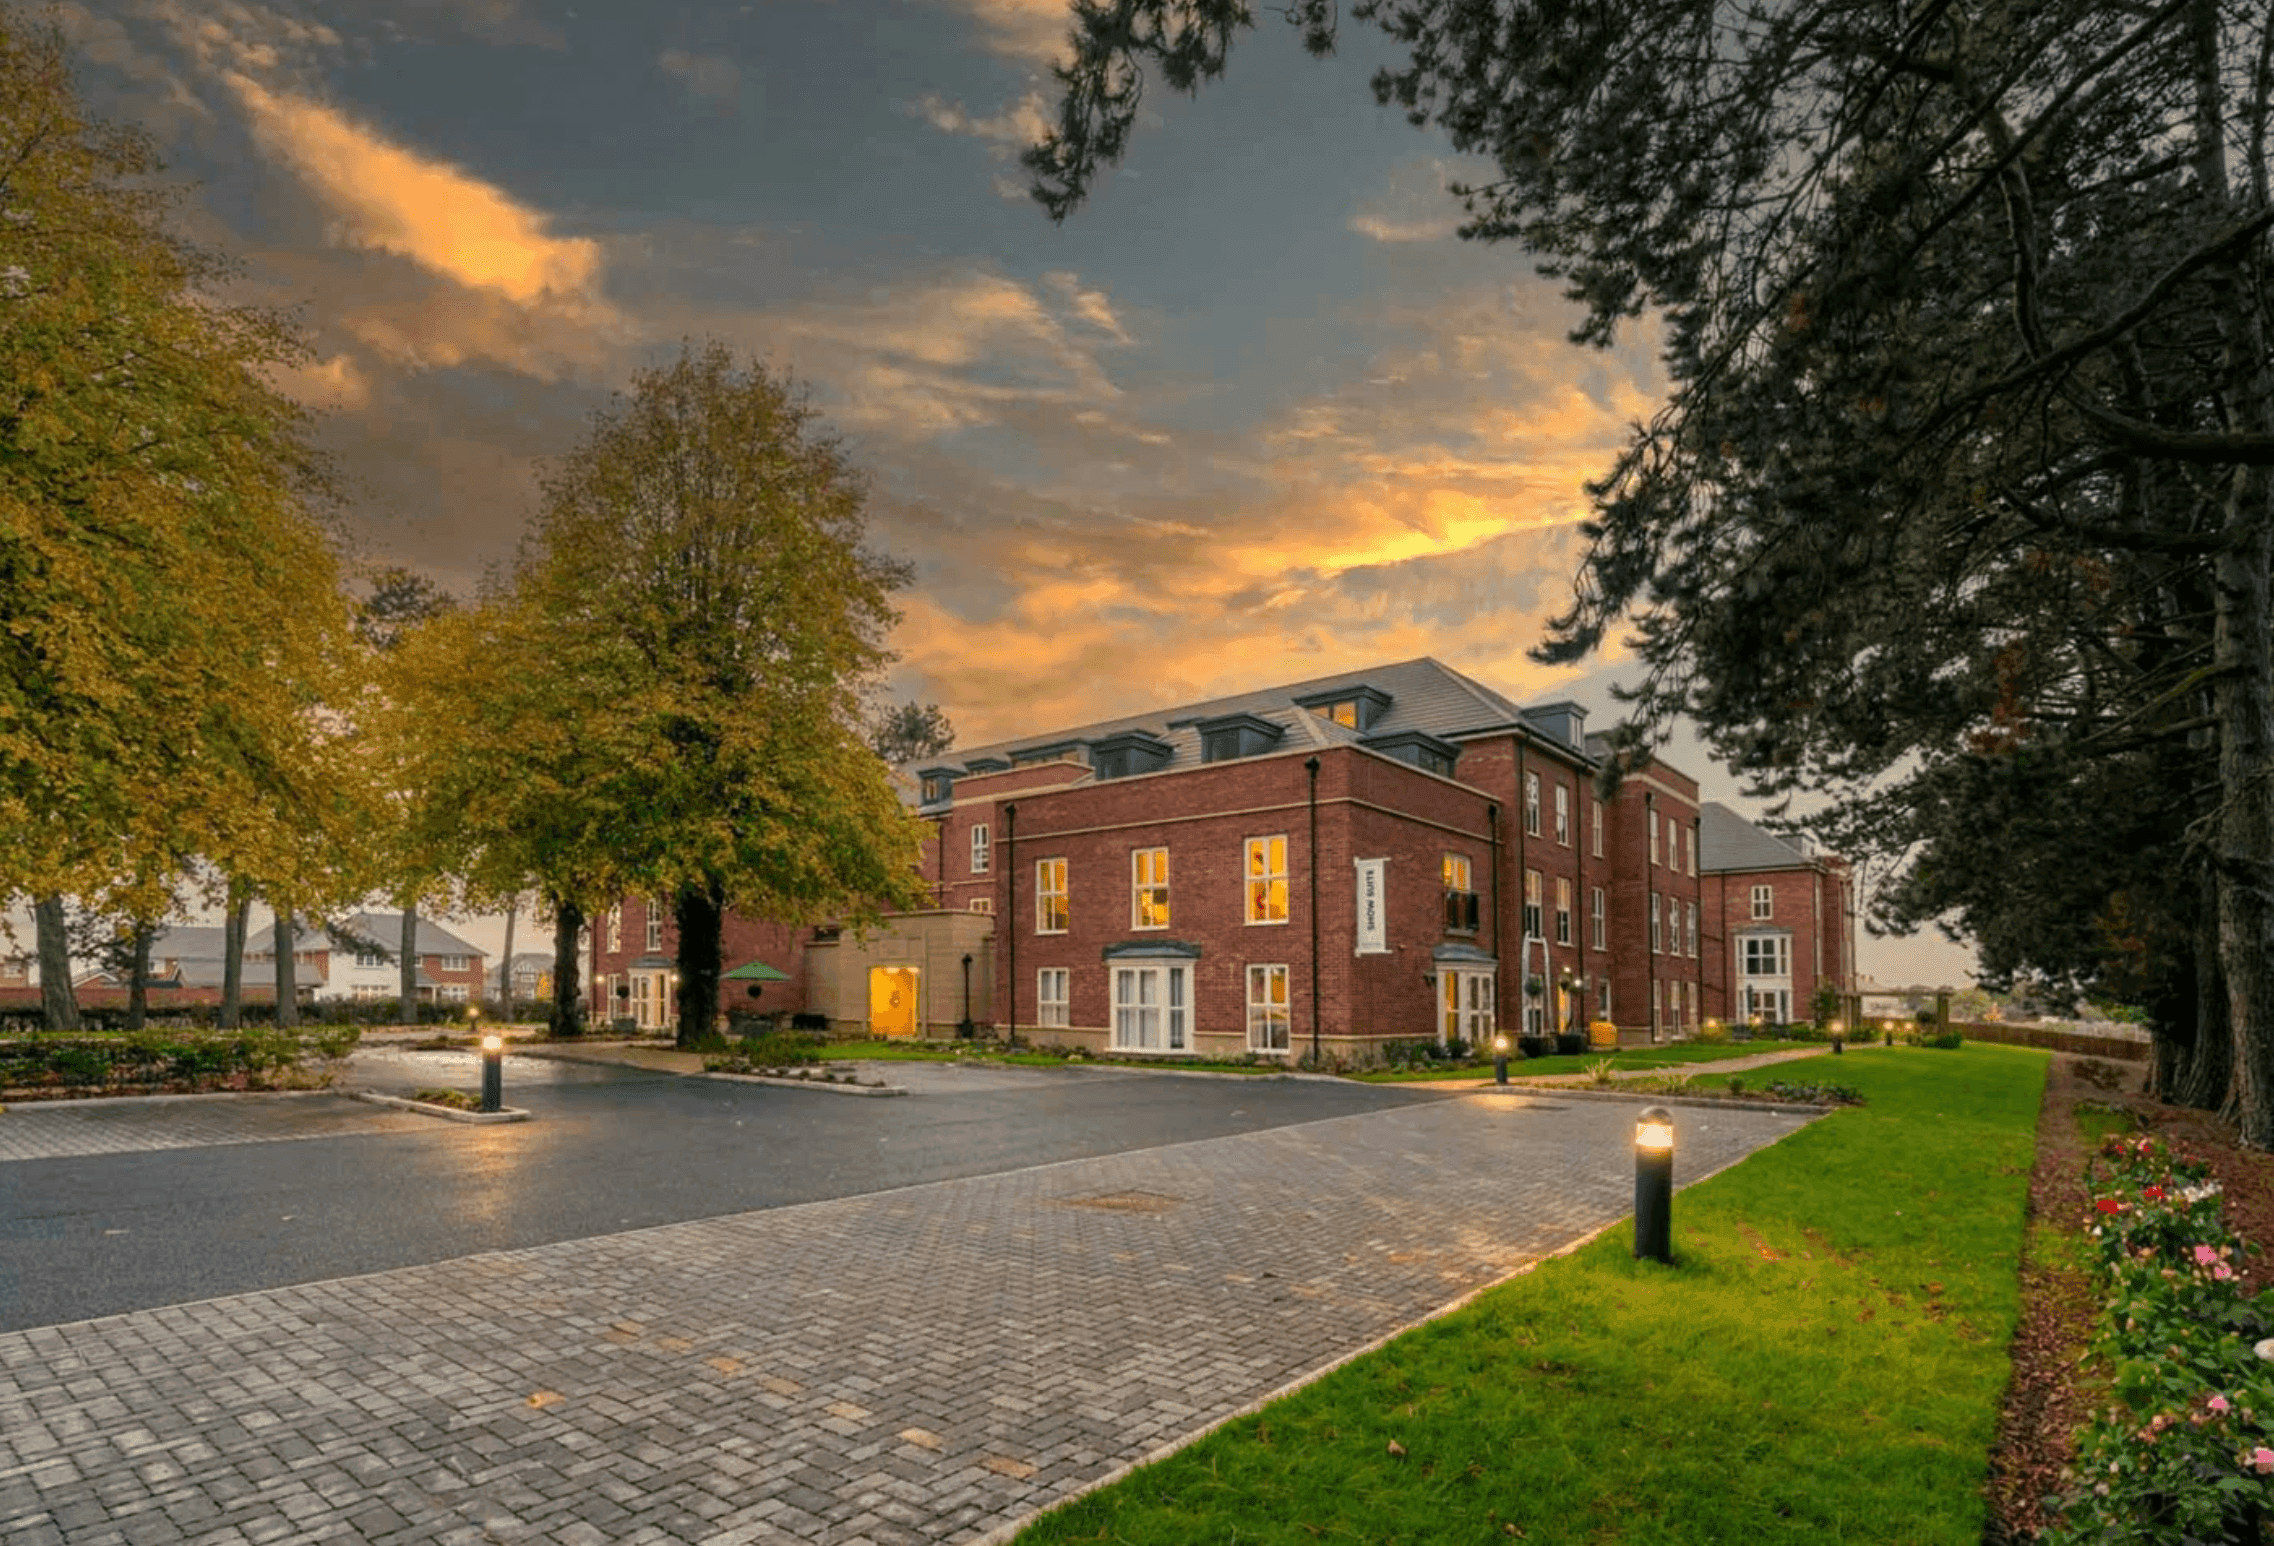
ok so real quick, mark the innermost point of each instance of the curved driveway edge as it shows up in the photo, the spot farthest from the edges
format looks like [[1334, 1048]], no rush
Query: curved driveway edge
[[927, 1364]]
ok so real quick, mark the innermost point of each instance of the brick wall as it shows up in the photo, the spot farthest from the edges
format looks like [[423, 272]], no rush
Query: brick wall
[[1813, 901]]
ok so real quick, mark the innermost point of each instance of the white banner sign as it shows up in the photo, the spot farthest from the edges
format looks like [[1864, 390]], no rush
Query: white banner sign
[[1373, 925]]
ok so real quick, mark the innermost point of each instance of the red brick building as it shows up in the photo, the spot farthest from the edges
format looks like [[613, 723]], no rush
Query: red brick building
[[1783, 921], [1397, 852]]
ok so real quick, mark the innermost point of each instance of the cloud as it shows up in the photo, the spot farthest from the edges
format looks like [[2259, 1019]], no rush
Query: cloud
[[1414, 206], [1014, 125], [711, 78], [1023, 29], [334, 382]]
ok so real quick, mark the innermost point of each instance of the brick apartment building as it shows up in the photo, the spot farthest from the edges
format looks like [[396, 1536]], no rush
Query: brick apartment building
[[1784, 921], [1393, 853]]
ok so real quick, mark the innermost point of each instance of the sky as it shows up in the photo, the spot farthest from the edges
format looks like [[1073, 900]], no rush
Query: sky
[[1252, 414]]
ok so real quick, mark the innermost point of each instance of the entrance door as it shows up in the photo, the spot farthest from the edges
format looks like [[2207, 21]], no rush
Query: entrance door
[[892, 1001]]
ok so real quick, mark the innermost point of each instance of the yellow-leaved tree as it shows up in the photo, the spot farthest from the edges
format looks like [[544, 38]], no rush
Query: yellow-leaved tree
[[174, 646]]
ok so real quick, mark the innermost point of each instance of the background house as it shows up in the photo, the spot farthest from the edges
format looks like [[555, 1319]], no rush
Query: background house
[[1786, 914]]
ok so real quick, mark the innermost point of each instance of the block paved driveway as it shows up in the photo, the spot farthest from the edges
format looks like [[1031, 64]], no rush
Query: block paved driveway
[[919, 1364]]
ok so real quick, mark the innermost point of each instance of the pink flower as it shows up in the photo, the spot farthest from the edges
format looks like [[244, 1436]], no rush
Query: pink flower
[[2219, 1404], [2222, 1272], [2262, 1459], [2204, 1256]]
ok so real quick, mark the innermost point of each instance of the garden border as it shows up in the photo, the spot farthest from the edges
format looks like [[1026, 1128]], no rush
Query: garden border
[[447, 1113]]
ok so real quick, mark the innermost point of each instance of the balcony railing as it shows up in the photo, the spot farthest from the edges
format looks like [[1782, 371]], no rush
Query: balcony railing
[[1460, 912]]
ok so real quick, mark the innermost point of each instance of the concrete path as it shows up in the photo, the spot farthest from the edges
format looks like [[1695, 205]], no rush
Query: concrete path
[[60, 1129], [910, 1366]]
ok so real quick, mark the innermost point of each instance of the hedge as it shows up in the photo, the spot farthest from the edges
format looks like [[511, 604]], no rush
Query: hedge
[[159, 1059]]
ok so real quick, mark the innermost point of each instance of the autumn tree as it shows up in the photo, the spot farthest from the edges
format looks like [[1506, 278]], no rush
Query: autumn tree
[[1966, 317], [400, 601], [907, 731], [171, 624], [697, 574]]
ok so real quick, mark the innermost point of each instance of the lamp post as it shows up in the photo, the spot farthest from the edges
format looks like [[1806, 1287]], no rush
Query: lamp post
[[1654, 1185], [1500, 1057], [963, 1027], [493, 1062]]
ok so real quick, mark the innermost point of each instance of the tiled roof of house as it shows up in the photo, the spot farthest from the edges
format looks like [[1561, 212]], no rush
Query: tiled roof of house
[[1727, 841], [188, 942], [1425, 695]]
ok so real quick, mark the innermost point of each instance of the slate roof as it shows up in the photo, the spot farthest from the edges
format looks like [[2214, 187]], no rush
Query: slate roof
[[1425, 695], [1728, 842], [385, 930]]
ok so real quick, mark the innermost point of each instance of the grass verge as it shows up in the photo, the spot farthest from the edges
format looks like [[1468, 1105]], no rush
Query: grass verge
[[1674, 1056], [1823, 1362]]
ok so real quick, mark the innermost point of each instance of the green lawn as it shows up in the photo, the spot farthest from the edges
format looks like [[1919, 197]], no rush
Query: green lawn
[[1672, 1055], [1823, 1362]]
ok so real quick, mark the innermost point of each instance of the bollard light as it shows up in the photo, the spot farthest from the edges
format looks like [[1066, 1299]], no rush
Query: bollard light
[[1500, 1058], [1654, 1185], [1839, 1031], [493, 1072]]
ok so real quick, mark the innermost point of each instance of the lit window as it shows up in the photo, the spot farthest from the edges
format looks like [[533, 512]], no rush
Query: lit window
[[1654, 935], [1267, 1009], [937, 787], [1532, 804], [1764, 902], [1460, 898], [616, 926], [1149, 888], [1456, 870], [1597, 925], [1532, 904], [1267, 879], [1563, 910], [979, 852], [1152, 1007], [1344, 712], [1050, 996], [1050, 914], [1563, 814]]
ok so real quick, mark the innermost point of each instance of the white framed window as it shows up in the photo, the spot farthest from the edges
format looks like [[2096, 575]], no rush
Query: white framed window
[[1650, 820], [454, 993], [1149, 888], [980, 854], [1767, 955], [982, 904], [1694, 1004], [1657, 1006], [366, 992], [1563, 814], [1532, 804], [1597, 924], [1693, 908], [1050, 996], [1655, 947], [1597, 819], [1152, 1006], [1532, 921], [1673, 844], [654, 924], [1603, 993], [1764, 902], [1266, 870], [1773, 1005], [1268, 1019], [371, 958], [1563, 909], [1690, 851], [454, 963], [1050, 911], [615, 926]]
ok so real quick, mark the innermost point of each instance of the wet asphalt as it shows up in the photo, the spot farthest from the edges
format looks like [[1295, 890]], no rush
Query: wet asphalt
[[609, 1149]]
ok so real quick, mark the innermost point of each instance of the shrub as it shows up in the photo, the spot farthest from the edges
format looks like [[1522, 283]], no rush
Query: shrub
[[1948, 1041], [159, 1058], [1815, 1094], [1713, 1033], [1600, 1070]]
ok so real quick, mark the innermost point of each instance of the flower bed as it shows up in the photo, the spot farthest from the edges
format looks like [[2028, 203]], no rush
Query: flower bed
[[171, 1061], [2185, 1450]]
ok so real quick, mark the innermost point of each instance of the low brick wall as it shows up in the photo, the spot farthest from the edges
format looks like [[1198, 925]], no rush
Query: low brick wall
[[2123, 1049]]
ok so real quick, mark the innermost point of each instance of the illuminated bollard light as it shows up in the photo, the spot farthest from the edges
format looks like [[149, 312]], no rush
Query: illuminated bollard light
[[1654, 1185], [1839, 1037], [1500, 1058], [493, 1066]]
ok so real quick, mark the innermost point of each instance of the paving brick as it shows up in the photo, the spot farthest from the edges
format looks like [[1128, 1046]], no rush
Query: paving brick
[[396, 1407]]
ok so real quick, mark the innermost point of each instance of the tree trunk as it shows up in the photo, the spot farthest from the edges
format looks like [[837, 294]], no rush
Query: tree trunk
[[505, 967], [233, 960], [701, 914], [407, 956], [59, 1004], [287, 983], [138, 991], [568, 1010], [2206, 1071]]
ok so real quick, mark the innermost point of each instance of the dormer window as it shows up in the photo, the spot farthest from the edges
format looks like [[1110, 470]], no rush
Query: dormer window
[[938, 787], [1423, 751], [1129, 753], [1235, 736], [1361, 708]]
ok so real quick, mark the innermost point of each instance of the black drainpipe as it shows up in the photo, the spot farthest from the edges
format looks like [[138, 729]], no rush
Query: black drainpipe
[[1312, 767], [1011, 909], [1499, 939]]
